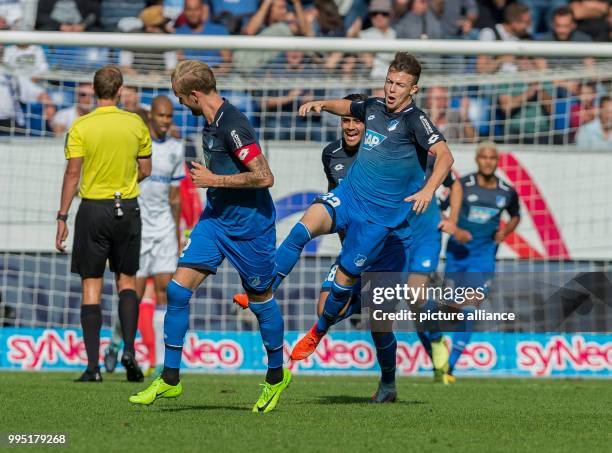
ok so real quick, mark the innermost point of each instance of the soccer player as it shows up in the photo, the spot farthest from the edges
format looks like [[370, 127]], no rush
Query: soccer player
[[477, 202], [160, 206], [383, 188], [113, 149], [237, 224]]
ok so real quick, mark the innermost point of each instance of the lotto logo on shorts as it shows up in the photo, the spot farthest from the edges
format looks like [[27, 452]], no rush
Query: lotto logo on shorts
[[372, 139]]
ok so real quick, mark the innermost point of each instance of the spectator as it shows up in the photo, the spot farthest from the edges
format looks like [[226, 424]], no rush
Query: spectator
[[380, 16], [64, 118], [279, 107], [420, 21], [610, 24], [271, 19], [597, 135], [328, 23], [130, 101], [490, 13], [584, 111], [27, 62], [522, 108], [151, 20], [11, 115], [515, 27], [112, 11], [541, 12], [563, 28], [454, 124], [591, 17], [458, 18], [196, 17], [11, 14], [232, 13], [172, 9], [68, 15]]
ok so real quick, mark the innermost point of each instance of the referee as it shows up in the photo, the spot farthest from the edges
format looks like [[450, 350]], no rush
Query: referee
[[112, 150]]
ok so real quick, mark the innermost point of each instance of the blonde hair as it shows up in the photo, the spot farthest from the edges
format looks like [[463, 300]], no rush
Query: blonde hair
[[486, 145], [193, 75]]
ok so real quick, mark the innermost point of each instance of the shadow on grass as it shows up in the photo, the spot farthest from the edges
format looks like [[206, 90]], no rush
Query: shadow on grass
[[203, 407], [350, 399]]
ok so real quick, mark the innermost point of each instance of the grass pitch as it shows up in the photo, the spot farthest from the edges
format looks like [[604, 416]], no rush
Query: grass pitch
[[315, 414]]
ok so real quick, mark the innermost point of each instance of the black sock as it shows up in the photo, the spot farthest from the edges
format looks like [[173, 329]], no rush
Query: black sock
[[170, 375], [91, 321], [128, 316], [274, 375]]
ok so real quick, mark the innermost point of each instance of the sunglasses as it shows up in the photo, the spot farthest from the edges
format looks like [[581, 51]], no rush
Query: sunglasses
[[379, 13], [84, 95]]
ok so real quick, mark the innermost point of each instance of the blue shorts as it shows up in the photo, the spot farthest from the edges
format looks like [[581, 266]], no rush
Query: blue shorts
[[364, 240], [394, 257], [253, 258], [425, 252], [469, 268]]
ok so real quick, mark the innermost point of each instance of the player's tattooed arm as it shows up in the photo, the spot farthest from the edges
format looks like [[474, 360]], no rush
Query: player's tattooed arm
[[258, 176], [340, 107]]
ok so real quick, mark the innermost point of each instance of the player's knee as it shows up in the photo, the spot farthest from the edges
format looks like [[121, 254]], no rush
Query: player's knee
[[317, 220], [178, 296]]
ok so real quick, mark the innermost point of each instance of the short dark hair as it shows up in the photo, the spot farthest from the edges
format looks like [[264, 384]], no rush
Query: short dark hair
[[563, 11], [356, 97], [408, 63], [514, 11], [107, 81], [604, 99]]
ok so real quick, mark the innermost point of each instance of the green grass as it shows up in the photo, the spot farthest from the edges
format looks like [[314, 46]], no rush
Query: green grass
[[316, 414]]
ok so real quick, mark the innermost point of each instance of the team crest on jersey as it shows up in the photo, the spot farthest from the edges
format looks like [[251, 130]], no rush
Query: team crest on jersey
[[392, 125], [210, 142], [254, 281], [372, 139], [360, 260], [500, 201]]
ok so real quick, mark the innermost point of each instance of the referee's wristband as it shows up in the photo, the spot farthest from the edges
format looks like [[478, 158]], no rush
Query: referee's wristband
[[62, 217]]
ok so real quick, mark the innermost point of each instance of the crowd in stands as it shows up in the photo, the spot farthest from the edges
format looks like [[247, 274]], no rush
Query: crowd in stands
[[574, 110]]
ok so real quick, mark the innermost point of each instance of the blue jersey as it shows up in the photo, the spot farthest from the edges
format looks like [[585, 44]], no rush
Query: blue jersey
[[390, 165], [336, 161], [229, 142], [427, 222], [481, 209]]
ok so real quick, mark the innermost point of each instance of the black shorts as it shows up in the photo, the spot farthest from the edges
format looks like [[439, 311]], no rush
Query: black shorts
[[99, 236]]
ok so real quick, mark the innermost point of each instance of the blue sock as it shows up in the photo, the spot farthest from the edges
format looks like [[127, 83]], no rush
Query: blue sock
[[461, 337], [288, 253], [431, 327], [354, 303], [336, 299], [176, 323], [424, 337], [386, 348], [271, 328]]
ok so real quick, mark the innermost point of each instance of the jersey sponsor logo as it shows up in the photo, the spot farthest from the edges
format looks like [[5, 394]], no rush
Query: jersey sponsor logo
[[392, 125], [426, 125], [500, 201], [236, 139], [360, 260], [472, 198], [433, 139], [338, 167], [371, 117], [481, 214], [372, 139]]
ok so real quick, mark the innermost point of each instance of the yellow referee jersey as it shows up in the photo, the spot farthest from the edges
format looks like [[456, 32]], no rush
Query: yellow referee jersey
[[109, 140]]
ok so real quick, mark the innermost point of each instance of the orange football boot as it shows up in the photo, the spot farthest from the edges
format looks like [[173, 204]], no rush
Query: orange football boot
[[307, 344], [242, 300]]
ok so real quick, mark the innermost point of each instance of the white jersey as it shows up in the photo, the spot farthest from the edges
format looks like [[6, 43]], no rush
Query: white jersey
[[168, 169]]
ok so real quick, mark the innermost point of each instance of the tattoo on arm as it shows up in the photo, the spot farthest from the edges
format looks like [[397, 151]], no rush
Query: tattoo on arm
[[259, 175]]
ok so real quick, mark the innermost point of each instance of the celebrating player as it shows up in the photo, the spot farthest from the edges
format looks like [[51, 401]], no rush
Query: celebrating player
[[477, 202], [237, 224], [160, 206], [382, 188]]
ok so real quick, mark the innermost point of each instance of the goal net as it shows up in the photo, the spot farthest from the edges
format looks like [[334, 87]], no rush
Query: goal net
[[534, 109]]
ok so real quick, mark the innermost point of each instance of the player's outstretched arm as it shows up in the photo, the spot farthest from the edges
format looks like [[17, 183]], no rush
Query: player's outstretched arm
[[443, 164], [340, 107], [258, 176]]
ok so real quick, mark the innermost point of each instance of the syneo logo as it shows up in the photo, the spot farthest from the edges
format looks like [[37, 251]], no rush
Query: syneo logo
[[372, 139]]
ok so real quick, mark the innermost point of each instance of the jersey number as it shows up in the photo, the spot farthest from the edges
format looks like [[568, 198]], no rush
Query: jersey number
[[331, 199]]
